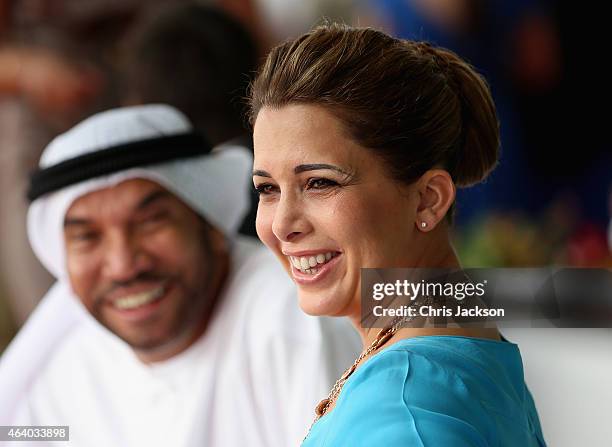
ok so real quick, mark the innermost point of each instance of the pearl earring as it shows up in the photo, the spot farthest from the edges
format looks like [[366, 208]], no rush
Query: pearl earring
[[423, 224]]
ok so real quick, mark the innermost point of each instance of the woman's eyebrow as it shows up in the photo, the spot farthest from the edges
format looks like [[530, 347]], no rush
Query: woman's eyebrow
[[260, 173], [317, 166], [304, 168]]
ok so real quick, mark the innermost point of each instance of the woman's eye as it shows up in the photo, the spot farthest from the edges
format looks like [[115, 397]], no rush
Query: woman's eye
[[320, 183], [264, 189]]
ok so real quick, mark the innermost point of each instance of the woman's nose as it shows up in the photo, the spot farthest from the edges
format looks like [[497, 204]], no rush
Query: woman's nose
[[290, 221]]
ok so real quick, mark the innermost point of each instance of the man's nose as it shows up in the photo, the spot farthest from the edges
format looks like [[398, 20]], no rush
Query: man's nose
[[290, 221], [124, 257]]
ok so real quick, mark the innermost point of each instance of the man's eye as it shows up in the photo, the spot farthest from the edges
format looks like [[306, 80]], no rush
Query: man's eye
[[156, 217], [86, 236], [153, 220], [265, 189], [320, 183]]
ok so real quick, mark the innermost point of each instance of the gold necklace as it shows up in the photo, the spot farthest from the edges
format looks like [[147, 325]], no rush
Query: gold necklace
[[383, 337]]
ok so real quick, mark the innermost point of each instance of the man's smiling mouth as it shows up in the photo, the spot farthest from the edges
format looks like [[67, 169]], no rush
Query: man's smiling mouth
[[136, 300]]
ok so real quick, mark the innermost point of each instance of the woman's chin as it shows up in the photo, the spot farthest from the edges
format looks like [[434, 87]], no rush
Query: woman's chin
[[317, 305]]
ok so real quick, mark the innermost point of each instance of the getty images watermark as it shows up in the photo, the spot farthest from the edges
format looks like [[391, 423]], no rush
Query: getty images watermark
[[434, 291], [534, 297]]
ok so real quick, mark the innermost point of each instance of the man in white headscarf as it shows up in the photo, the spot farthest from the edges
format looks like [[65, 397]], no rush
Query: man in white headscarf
[[164, 327]]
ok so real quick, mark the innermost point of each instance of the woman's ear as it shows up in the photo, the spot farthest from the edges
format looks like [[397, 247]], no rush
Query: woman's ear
[[437, 193]]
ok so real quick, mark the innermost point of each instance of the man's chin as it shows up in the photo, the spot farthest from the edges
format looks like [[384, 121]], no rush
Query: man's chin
[[153, 349], [150, 347], [142, 339]]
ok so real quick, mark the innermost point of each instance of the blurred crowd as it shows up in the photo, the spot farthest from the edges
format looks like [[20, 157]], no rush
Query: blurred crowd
[[549, 201]]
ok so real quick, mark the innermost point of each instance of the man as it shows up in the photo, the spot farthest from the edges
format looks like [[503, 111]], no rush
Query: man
[[164, 327]]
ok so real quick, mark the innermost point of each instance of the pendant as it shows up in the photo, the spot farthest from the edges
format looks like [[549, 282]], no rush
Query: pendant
[[321, 407]]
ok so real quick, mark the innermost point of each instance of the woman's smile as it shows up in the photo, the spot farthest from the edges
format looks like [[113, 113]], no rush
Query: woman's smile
[[311, 268]]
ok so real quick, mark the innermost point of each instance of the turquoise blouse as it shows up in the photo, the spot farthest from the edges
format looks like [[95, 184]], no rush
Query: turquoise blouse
[[434, 391]]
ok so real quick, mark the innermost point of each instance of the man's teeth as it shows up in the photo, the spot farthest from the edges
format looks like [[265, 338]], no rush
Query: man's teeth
[[139, 299], [306, 264]]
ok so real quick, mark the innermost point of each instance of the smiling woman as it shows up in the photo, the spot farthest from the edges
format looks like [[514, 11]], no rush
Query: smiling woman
[[360, 142]]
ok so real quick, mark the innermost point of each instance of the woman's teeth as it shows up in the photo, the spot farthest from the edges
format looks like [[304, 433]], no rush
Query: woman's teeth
[[307, 264], [139, 299]]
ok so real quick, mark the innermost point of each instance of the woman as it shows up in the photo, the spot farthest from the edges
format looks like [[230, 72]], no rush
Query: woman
[[360, 141]]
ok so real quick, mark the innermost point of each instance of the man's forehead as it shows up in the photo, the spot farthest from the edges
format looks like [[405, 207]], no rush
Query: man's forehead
[[128, 195]]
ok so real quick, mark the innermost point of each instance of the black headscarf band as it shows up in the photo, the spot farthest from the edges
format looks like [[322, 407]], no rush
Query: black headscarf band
[[115, 159]]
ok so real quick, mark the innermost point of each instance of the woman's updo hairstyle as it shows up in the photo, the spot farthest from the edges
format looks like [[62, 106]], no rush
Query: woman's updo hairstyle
[[415, 105]]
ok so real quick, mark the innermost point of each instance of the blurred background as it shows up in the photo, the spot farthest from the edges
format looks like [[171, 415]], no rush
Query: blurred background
[[548, 203]]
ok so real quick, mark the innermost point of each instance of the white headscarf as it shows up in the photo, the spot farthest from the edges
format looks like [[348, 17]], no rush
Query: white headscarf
[[215, 185]]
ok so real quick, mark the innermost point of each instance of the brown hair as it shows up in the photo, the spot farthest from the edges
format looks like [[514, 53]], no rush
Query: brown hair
[[416, 106]]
